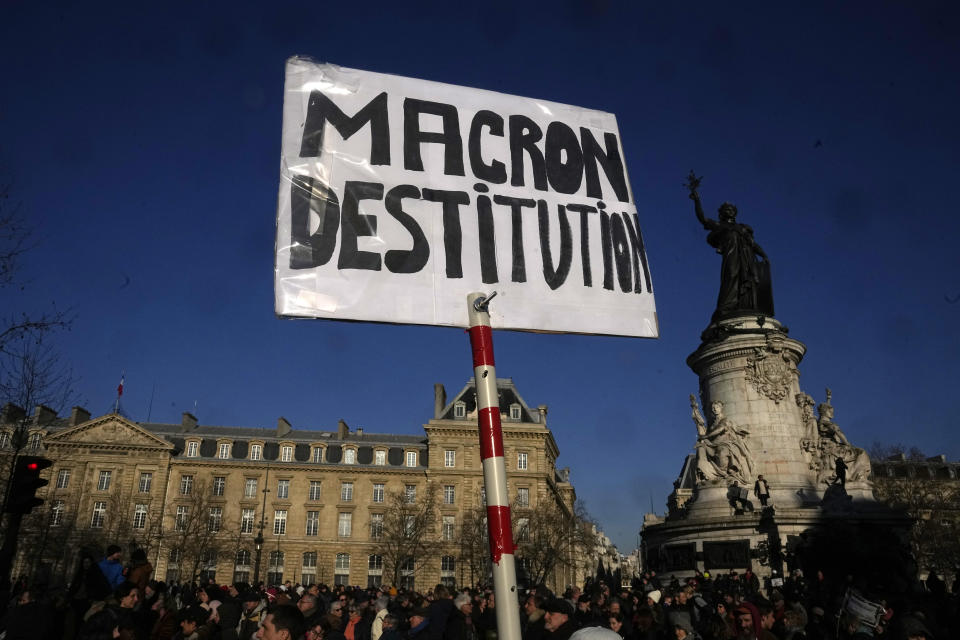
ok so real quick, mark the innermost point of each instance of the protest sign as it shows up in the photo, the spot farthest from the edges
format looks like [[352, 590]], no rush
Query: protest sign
[[398, 197]]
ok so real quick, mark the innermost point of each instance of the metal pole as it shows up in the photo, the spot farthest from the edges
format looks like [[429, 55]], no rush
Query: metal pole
[[494, 470]]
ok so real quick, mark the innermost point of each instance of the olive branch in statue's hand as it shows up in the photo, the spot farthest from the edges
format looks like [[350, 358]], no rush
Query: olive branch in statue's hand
[[692, 184]]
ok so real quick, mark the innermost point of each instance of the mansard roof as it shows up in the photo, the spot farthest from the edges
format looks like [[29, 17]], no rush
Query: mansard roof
[[508, 396]]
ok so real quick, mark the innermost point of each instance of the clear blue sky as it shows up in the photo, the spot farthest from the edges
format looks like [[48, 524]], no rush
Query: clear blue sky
[[144, 144]]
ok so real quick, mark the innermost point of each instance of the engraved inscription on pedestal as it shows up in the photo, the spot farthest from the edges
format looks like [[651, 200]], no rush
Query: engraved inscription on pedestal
[[726, 555]]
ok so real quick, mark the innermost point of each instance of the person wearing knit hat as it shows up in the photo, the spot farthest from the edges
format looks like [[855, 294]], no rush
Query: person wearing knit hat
[[653, 597]]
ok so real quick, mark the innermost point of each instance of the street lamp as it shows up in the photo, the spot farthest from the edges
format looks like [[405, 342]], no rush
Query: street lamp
[[258, 541]]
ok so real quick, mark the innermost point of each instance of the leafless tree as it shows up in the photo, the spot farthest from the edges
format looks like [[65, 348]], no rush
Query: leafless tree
[[409, 534], [549, 537], [196, 533], [473, 543]]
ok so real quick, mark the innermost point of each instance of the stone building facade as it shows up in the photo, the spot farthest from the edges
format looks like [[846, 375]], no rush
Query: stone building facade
[[197, 497]]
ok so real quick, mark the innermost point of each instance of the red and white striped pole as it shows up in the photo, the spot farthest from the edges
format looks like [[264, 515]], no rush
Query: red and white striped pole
[[494, 470]]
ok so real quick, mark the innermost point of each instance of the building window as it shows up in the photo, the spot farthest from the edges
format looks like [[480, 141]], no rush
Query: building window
[[215, 521], [523, 529], [346, 492], [275, 574], [35, 440], [521, 461], [146, 482], [345, 525], [448, 568], [256, 451], [376, 526], [449, 494], [243, 558], [459, 410], [193, 449], [279, 522], [56, 513], [483, 495], [406, 573], [309, 561], [286, 454], [514, 412], [224, 451], [99, 515], [523, 497], [378, 492], [411, 458], [219, 485], [409, 526], [314, 490], [180, 523], [186, 485], [313, 523], [250, 488], [4, 439], [246, 520], [380, 457], [341, 572], [317, 455], [103, 484], [447, 528], [140, 516], [410, 493], [63, 478], [350, 456], [449, 458], [283, 489]]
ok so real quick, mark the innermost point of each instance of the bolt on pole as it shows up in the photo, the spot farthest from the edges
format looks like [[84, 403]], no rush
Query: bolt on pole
[[494, 469]]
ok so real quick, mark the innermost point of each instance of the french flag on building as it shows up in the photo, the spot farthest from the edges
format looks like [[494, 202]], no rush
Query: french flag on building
[[120, 387]]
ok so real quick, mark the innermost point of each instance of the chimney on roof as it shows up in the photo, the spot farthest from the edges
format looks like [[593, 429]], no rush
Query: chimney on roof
[[439, 400], [342, 429], [43, 415], [12, 413], [283, 427], [542, 410], [78, 415], [188, 422], [359, 431]]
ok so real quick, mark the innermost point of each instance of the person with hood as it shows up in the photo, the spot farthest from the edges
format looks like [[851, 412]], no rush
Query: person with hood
[[380, 606], [251, 615], [140, 571], [748, 622]]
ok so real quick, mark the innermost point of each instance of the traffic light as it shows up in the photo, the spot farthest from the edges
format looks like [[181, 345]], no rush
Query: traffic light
[[26, 480]]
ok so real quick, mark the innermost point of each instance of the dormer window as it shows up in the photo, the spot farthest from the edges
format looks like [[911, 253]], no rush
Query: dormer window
[[411, 458], [380, 457], [223, 451], [515, 412], [193, 449], [460, 409], [317, 454], [4, 439], [35, 440], [350, 456], [286, 453], [256, 451]]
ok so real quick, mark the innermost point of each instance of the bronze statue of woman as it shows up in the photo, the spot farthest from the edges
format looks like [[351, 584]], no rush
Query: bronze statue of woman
[[745, 269]]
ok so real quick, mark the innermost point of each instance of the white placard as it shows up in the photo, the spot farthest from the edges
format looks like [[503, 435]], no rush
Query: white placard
[[398, 197]]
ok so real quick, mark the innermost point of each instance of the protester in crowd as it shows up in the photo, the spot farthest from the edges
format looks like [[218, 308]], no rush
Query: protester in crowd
[[111, 566], [283, 622], [460, 623], [558, 619], [532, 627]]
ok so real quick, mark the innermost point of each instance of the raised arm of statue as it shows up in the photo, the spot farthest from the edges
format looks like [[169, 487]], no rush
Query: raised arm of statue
[[698, 417]]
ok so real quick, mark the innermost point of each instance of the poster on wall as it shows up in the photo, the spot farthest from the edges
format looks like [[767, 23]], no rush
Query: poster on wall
[[398, 197]]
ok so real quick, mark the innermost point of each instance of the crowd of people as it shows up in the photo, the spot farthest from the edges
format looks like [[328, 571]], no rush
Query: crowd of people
[[112, 599]]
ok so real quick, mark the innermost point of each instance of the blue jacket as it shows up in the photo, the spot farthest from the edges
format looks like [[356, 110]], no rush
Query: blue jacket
[[112, 571]]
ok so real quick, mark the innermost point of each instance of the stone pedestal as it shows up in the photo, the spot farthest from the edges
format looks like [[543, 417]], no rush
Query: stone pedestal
[[756, 421]]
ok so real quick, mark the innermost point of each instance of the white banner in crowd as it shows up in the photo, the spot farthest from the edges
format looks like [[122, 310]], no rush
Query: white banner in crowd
[[398, 197]]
